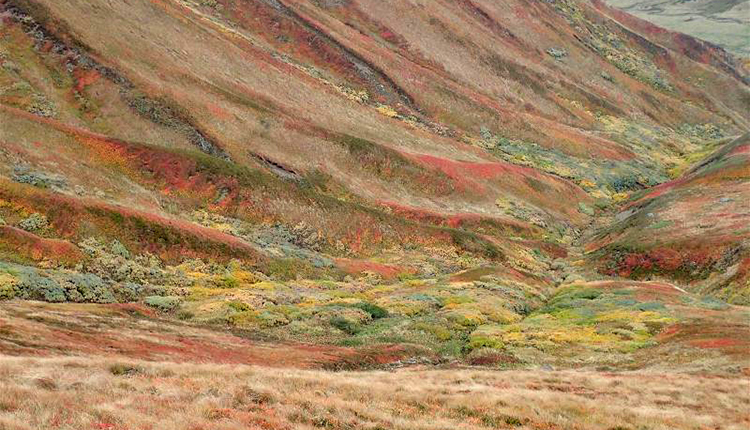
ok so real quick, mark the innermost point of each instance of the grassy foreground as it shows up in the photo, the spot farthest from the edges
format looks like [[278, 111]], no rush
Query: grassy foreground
[[117, 367], [106, 393]]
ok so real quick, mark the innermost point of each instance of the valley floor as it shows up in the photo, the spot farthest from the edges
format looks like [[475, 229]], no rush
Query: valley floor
[[70, 366]]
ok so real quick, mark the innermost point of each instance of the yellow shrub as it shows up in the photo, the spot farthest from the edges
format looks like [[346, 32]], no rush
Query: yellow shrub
[[387, 111], [587, 184], [620, 197]]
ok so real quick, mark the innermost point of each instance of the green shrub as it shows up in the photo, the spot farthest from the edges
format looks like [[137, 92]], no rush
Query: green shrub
[[7, 292], [7, 286], [185, 315], [512, 421], [477, 342], [239, 306], [375, 311], [587, 294], [345, 325], [441, 333], [585, 209], [164, 304], [712, 303], [86, 287], [36, 287], [228, 282], [290, 269], [352, 342], [129, 291], [650, 306], [272, 319], [117, 248]]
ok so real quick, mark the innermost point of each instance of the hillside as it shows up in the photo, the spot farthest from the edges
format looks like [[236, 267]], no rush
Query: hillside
[[363, 186]]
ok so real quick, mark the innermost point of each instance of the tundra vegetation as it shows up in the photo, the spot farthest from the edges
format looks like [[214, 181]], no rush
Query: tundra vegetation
[[369, 214]]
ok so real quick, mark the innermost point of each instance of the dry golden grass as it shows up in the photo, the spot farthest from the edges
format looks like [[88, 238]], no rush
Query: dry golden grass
[[84, 393]]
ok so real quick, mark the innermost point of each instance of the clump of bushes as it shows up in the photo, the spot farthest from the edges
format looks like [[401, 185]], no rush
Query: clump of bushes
[[33, 286], [117, 248], [239, 306], [163, 304], [42, 106], [7, 287], [35, 222], [291, 269], [375, 311], [272, 319], [343, 324], [85, 287], [228, 282], [479, 341], [128, 292], [557, 53], [68, 287], [184, 315], [42, 180]]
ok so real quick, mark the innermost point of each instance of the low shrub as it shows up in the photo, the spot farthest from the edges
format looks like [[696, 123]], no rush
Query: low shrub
[[33, 286], [239, 306], [272, 319], [7, 292], [121, 369], [184, 315], [7, 287], [228, 282], [490, 357], [481, 342], [345, 325], [128, 292], [440, 332], [650, 306], [35, 222], [86, 287], [163, 304], [375, 311], [289, 269]]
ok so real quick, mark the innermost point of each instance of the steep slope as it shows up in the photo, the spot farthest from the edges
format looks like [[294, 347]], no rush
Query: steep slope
[[693, 230]]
